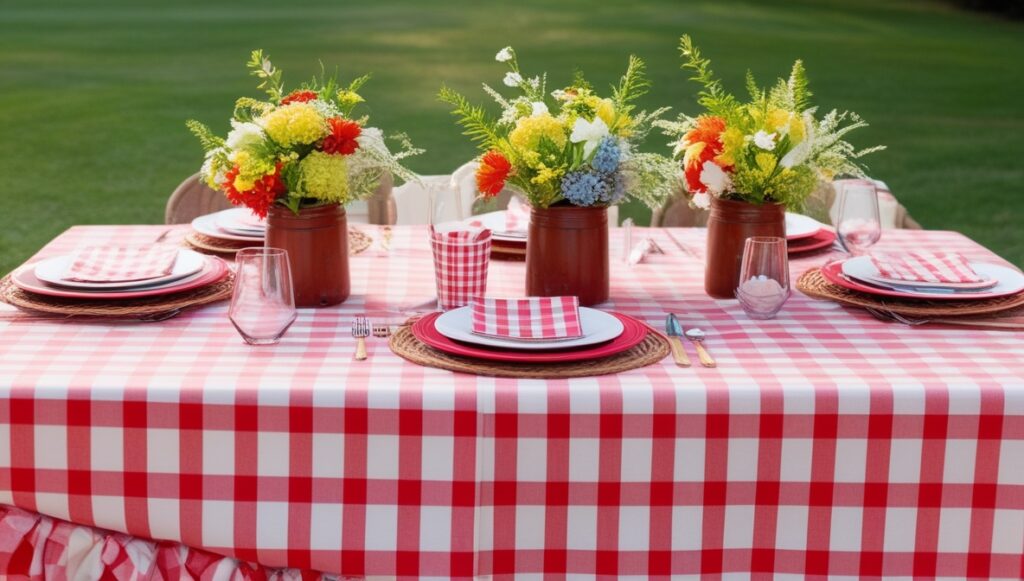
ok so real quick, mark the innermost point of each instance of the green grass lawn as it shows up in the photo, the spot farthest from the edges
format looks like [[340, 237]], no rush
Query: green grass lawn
[[93, 94]]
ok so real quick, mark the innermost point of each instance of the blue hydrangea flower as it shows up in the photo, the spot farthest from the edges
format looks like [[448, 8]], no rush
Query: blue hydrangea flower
[[584, 188], [617, 188], [606, 156]]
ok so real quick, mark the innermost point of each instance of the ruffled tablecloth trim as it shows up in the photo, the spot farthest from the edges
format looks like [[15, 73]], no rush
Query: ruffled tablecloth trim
[[34, 546]]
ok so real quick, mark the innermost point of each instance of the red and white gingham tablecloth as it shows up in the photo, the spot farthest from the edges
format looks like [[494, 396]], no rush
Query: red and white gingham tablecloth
[[824, 443]]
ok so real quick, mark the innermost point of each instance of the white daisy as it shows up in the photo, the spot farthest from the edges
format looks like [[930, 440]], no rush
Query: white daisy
[[242, 135], [764, 140]]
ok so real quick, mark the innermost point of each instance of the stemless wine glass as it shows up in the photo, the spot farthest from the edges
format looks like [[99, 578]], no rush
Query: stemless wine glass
[[857, 223], [764, 276], [263, 303]]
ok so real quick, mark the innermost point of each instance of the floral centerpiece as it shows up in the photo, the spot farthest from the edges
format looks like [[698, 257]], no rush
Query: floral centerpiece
[[571, 153], [297, 158], [750, 160]]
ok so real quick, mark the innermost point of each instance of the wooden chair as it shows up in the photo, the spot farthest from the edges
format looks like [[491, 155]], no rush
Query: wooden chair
[[194, 198], [191, 199]]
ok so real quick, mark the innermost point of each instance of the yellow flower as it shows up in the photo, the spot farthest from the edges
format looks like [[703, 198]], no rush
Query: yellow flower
[[295, 124], [251, 167], [786, 123], [348, 98], [765, 162], [324, 177], [693, 152], [605, 111], [241, 184], [529, 131], [546, 174], [732, 143]]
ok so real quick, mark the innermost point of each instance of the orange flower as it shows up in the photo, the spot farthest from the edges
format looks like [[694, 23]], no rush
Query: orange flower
[[708, 130], [260, 196], [342, 139], [299, 97], [704, 143], [491, 175]]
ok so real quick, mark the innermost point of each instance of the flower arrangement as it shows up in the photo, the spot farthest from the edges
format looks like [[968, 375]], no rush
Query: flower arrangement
[[575, 148], [771, 149], [298, 149]]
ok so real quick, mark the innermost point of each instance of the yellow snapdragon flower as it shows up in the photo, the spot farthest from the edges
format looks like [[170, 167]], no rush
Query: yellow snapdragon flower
[[529, 131], [732, 143], [295, 124], [324, 177]]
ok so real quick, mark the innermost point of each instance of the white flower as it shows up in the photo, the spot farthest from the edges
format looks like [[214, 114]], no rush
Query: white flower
[[560, 95], [588, 132], [764, 140], [504, 55], [539, 108], [714, 178], [242, 135], [799, 154], [534, 82], [372, 138], [702, 201], [680, 147], [513, 79]]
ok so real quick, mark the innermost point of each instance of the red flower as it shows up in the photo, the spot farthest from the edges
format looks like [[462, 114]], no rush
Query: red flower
[[260, 197], [342, 139], [707, 131], [492, 173], [695, 166], [299, 97]]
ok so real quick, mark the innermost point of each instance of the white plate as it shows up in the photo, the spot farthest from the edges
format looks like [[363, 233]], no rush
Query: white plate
[[598, 327], [52, 270], [240, 221], [1010, 281], [495, 222], [207, 225], [799, 226]]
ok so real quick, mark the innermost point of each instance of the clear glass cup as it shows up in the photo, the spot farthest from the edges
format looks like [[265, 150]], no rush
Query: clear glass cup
[[858, 224], [764, 277], [263, 301], [445, 203]]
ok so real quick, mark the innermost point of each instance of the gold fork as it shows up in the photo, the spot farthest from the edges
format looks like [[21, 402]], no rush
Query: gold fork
[[360, 330]]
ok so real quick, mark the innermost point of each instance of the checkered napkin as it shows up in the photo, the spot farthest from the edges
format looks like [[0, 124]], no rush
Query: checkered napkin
[[532, 319], [517, 215], [933, 267], [461, 258], [121, 263]]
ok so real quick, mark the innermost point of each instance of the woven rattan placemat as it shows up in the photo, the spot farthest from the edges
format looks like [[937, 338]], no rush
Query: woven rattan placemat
[[358, 241], [651, 350], [814, 284]]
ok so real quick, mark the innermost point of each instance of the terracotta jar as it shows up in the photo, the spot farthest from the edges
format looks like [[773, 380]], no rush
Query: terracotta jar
[[567, 253], [730, 223], [317, 243]]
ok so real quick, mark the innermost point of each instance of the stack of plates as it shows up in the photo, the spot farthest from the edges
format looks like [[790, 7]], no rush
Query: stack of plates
[[860, 274], [604, 334], [191, 271], [505, 245], [234, 225], [805, 234]]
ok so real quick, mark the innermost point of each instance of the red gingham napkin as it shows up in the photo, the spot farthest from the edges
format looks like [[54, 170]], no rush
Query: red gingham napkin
[[122, 263], [517, 215], [934, 267], [461, 258], [532, 319]]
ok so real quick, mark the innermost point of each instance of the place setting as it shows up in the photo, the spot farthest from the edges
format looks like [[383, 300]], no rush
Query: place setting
[[152, 282], [805, 235], [228, 231]]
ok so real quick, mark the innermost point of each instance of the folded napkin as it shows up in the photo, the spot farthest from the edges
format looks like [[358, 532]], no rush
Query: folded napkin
[[461, 258], [121, 263], [532, 319], [931, 267]]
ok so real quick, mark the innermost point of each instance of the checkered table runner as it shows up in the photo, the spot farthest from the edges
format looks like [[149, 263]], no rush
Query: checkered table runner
[[824, 443]]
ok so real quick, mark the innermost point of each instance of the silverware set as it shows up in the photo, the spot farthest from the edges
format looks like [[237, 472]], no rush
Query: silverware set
[[361, 329], [674, 330]]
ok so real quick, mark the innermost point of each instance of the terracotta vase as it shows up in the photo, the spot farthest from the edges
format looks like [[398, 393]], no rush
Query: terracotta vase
[[567, 253], [730, 223], [317, 243]]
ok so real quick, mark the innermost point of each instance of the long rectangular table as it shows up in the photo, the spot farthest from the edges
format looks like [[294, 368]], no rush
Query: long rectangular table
[[825, 442]]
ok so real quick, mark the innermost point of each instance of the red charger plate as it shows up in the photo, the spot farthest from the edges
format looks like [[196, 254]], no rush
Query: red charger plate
[[821, 239], [834, 273], [214, 270], [632, 334]]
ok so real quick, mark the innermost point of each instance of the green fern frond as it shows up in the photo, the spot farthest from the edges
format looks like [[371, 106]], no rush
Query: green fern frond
[[270, 77], [799, 86], [580, 81], [633, 85], [477, 124], [755, 91], [207, 139], [711, 96], [358, 83]]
